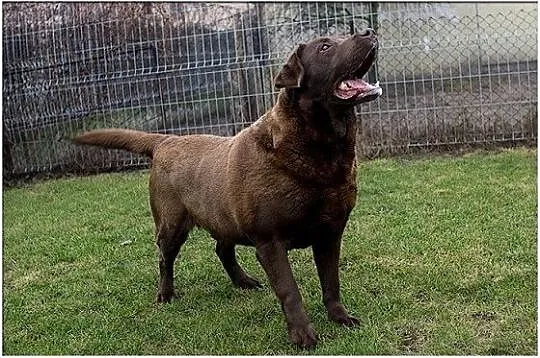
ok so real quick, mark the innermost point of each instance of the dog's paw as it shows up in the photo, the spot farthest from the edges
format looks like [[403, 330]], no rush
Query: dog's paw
[[303, 336], [346, 320], [339, 315], [165, 296], [247, 283]]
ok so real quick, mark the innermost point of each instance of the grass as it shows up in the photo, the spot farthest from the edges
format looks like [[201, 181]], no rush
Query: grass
[[439, 257]]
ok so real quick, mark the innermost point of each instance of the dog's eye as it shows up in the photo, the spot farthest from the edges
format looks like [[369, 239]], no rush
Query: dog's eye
[[324, 47]]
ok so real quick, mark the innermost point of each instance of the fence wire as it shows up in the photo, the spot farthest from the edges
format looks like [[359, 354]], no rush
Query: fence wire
[[188, 68]]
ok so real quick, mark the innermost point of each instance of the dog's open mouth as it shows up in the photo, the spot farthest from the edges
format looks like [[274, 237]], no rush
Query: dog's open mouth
[[354, 87], [357, 88]]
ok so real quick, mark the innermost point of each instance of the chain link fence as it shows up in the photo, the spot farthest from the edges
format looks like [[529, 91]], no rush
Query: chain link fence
[[186, 68]]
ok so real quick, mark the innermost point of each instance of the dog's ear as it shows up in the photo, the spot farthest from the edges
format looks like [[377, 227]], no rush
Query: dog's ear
[[292, 73]]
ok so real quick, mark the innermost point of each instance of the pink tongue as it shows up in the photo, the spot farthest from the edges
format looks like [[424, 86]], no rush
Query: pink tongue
[[350, 88], [357, 84]]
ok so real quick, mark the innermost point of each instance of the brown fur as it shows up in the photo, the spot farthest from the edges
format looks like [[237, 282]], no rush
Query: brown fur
[[287, 181], [130, 140]]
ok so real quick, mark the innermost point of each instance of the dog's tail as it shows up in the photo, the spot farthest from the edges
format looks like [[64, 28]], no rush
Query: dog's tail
[[130, 140]]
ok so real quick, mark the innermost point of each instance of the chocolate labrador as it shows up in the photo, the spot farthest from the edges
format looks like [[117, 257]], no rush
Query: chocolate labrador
[[285, 182]]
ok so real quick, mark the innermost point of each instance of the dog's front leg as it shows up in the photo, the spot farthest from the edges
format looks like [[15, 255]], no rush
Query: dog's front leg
[[273, 258], [326, 254]]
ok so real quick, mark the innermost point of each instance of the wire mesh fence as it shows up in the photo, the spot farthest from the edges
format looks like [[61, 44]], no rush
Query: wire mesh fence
[[208, 68]]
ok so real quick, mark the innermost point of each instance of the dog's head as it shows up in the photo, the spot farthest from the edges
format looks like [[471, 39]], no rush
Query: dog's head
[[331, 69]]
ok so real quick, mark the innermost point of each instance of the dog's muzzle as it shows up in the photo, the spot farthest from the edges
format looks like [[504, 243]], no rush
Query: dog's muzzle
[[354, 87]]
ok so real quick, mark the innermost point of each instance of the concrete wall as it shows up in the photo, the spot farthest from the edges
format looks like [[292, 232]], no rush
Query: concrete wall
[[464, 36]]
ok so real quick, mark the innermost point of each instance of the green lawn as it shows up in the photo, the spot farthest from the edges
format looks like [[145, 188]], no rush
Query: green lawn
[[439, 257]]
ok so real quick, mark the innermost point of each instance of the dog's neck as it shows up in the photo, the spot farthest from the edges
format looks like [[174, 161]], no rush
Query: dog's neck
[[331, 123], [311, 141]]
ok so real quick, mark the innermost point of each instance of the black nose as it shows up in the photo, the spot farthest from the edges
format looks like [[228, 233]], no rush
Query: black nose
[[367, 32]]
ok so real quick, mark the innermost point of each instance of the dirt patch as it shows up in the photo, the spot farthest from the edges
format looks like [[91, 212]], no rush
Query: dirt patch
[[484, 316], [411, 339]]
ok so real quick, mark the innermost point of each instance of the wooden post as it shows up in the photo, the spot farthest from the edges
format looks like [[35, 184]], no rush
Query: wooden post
[[7, 159], [260, 42], [246, 83], [374, 24], [372, 77]]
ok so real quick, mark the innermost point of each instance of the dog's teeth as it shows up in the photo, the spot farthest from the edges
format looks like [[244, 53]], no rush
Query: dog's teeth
[[377, 84]]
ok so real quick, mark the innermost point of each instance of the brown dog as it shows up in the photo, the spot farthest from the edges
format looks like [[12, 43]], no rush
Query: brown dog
[[285, 182]]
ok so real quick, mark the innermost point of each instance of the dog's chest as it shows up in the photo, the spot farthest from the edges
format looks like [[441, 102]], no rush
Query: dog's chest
[[300, 216], [326, 167], [297, 191], [324, 215]]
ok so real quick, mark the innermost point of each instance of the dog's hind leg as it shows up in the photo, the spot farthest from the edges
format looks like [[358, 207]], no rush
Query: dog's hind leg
[[169, 240], [226, 253], [173, 224]]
